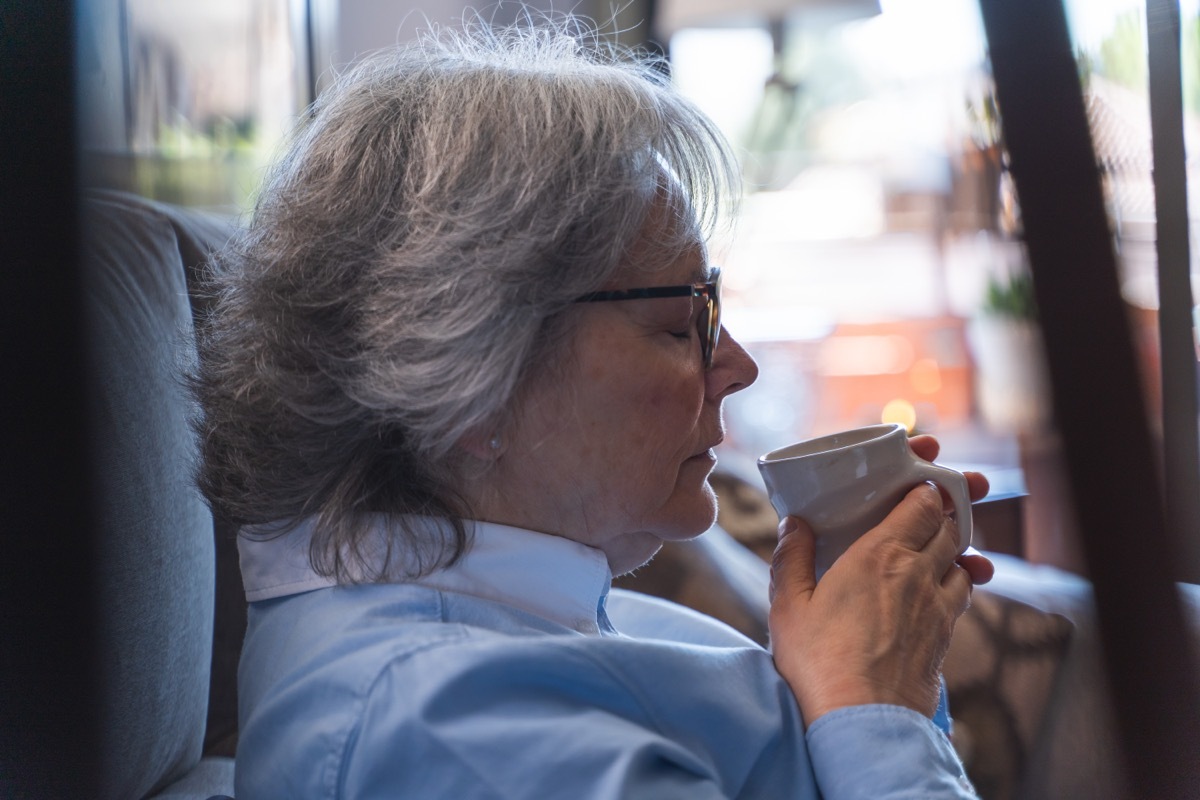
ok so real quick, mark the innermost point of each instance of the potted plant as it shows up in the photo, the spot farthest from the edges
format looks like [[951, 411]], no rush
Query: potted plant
[[1006, 341]]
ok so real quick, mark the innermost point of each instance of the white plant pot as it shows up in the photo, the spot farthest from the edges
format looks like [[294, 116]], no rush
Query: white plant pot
[[1010, 373]]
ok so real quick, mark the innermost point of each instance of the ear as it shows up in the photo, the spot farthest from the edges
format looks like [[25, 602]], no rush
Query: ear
[[483, 443]]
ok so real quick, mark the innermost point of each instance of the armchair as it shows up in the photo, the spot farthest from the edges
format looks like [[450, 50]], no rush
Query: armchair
[[156, 575]]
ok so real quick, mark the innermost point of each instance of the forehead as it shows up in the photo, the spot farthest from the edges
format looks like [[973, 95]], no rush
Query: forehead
[[668, 249]]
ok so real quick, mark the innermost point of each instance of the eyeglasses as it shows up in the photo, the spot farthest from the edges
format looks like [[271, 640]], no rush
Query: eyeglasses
[[710, 321]]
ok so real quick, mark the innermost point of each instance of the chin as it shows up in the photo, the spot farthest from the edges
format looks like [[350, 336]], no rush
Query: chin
[[706, 508], [696, 515], [685, 516], [635, 554]]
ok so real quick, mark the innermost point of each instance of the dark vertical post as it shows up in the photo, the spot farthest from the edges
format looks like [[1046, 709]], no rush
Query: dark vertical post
[[1181, 439], [47, 694], [1110, 458]]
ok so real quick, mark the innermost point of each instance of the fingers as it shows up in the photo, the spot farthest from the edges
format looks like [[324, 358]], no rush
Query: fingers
[[957, 584], [978, 567], [916, 520], [793, 565], [940, 553], [920, 524], [925, 446], [943, 547], [977, 485], [928, 447]]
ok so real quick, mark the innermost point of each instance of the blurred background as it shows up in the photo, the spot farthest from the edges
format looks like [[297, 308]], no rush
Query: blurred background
[[875, 269]]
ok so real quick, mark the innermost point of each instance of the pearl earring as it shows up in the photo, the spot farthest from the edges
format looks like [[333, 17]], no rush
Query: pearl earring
[[494, 442]]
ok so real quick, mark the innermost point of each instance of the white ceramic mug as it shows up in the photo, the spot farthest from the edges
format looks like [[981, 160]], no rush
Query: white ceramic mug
[[845, 483]]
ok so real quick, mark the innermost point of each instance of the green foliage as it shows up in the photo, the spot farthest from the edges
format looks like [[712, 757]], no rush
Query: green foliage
[[1086, 65], [1190, 56], [1123, 53], [1012, 298], [983, 117], [1122, 57]]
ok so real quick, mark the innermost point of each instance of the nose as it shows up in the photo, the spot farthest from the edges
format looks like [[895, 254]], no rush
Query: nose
[[733, 369]]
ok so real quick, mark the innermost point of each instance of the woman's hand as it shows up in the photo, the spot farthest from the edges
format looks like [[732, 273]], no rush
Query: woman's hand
[[978, 566], [877, 627]]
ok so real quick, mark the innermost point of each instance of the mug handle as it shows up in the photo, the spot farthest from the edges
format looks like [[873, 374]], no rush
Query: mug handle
[[955, 484]]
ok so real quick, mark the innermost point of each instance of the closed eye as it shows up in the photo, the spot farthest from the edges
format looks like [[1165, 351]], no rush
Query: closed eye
[[692, 325], [675, 316]]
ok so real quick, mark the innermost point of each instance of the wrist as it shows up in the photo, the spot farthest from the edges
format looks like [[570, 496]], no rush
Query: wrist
[[818, 698]]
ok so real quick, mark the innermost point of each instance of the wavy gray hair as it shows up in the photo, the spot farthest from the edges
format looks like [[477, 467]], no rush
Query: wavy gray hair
[[411, 261]]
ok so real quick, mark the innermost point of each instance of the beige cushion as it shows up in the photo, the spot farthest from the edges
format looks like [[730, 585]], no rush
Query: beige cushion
[[1001, 671]]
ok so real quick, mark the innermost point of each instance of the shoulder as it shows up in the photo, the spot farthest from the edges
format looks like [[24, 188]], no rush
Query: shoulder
[[647, 617]]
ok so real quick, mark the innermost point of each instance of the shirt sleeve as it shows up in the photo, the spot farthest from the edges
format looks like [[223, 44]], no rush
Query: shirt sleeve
[[883, 751]]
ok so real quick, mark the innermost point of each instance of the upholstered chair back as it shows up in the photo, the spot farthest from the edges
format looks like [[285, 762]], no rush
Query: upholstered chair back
[[155, 550]]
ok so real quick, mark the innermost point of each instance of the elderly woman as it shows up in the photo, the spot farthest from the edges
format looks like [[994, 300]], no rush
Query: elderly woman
[[465, 365]]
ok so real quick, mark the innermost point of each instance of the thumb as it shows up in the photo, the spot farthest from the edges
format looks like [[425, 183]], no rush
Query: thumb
[[793, 565]]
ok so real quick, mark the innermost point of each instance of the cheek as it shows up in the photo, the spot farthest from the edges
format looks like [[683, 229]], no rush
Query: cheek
[[652, 410], [677, 400], [666, 418]]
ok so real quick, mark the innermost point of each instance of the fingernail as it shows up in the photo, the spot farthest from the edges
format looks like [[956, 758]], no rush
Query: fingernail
[[786, 525]]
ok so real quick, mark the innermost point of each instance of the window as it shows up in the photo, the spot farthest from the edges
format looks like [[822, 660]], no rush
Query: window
[[877, 191]]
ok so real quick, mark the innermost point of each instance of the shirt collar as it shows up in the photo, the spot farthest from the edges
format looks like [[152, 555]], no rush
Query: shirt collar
[[548, 576]]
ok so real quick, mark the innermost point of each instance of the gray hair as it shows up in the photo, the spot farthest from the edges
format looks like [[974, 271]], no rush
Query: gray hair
[[410, 263]]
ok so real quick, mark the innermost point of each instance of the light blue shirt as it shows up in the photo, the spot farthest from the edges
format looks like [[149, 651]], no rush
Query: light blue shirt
[[503, 677]]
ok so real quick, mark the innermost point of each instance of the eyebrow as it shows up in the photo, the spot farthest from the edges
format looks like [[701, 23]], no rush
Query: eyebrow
[[705, 273], [700, 275]]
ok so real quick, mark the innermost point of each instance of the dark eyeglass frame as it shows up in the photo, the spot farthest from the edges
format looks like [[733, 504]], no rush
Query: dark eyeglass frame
[[710, 321]]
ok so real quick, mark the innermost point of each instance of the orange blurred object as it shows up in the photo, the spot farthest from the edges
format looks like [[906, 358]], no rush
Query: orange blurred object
[[862, 367]]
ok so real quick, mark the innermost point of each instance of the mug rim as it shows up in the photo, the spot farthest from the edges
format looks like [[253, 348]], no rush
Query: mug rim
[[774, 456]]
